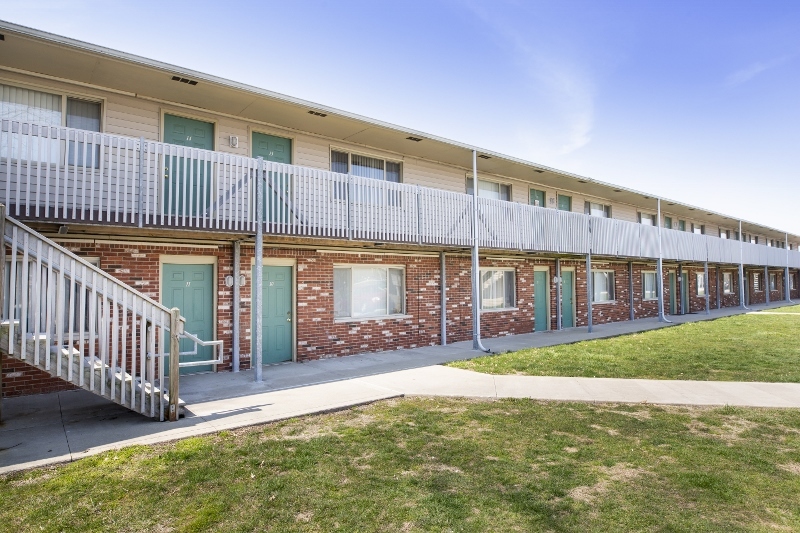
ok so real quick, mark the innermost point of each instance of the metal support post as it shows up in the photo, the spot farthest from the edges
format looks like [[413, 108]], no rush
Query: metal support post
[[660, 269], [589, 290], [558, 294], [175, 330], [476, 271], [679, 284], [140, 188], [630, 290], [237, 259], [786, 285], [2, 291], [706, 288], [256, 305], [741, 269], [443, 295]]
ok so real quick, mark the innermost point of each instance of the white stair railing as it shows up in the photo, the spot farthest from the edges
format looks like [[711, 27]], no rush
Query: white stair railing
[[67, 317]]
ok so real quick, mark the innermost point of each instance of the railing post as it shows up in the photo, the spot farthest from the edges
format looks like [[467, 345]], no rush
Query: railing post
[[419, 216], [350, 207], [2, 289], [175, 330], [141, 181]]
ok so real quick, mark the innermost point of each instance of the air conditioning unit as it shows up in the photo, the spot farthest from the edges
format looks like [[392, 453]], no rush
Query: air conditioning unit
[[234, 141]]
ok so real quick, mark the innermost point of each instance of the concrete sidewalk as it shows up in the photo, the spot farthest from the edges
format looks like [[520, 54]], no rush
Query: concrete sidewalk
[[52, 428]]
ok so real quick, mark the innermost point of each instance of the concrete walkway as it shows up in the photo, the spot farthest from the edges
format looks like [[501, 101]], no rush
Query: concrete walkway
[[52, 428]]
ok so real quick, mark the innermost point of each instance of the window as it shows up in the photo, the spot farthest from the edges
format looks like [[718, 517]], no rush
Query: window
[[727, 283], [682, 225], [647, 219], [491, 189], [757, 281], [792, 281], [701, 284], [603, 286], [649, 290], [668, 222], [28, 105], [724, 233], [736, 235], [699, 229], [365, 166], [754, 239], [498, 289], [773, 281], [363, 292], [537, 198], [597, 210], [564, 202]]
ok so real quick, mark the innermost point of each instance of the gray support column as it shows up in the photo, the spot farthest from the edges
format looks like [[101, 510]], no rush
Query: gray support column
[[256, 305], [706, 288], [660, 268], [2, 290], [679, 285], [476, 269], [589, 291], [767, 287], [741, 269], [443, 288], [719, 301], [630, 290], [786, 285], [237, 259], [558, 294]]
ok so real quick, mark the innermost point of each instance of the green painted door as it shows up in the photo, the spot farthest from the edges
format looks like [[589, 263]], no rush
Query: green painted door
[[673, 308], [276, 321], [684, 293], [567, 299], [541, 301], [537, 198], [185, 187], [190, 288], [279, 150], [564, 202]]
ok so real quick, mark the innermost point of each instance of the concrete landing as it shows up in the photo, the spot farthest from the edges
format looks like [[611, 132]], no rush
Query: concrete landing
[[52, 428]]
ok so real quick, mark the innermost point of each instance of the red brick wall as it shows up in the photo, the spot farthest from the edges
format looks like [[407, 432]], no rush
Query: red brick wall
[[20, 379]]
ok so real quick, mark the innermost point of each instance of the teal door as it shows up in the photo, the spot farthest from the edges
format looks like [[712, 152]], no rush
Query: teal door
[[537, 198], [276, 321], [185, 187], [673, 307], [190, 288], [540, 300], [276, 190], [564, 202], [567, 299], [684, 293]]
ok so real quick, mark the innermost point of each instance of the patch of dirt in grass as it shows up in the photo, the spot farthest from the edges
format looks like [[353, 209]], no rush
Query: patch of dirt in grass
[[610, 431], [792, 468], [576, 438], [32, 480], [729, 432], [638, 415], [304, 517], [619, 473]]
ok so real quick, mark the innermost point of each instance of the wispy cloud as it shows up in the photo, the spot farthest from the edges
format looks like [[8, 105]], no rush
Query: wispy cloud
[[751, 71]]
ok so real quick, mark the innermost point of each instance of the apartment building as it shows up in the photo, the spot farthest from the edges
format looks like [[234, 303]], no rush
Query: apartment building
[[150, 172]]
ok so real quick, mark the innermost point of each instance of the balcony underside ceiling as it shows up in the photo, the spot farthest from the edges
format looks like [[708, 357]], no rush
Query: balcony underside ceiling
[[33, 51]]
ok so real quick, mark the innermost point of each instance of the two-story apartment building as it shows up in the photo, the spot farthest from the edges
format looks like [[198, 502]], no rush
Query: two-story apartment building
[[148, 171]]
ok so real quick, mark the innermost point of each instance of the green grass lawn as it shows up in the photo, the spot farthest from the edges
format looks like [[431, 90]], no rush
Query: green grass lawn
[[440, 465], [789, 309], [737, 348]]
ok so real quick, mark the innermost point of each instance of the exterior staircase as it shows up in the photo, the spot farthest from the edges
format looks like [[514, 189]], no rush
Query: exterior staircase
[[67, 317]]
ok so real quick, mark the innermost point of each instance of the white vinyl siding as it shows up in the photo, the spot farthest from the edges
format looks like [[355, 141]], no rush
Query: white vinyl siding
[[649, 289], [602, 286], [366, 291], [498, 289]]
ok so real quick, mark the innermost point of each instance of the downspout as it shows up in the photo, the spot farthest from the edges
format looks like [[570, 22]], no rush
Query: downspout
[[741, 270], [660, 268], [476, 271], [237, 258], [257, 288], [443, 288]]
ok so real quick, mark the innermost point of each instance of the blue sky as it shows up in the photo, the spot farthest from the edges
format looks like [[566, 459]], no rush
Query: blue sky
[[697, 101]]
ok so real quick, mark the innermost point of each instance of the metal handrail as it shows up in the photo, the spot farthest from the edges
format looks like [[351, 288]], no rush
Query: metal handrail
[[199, 342]]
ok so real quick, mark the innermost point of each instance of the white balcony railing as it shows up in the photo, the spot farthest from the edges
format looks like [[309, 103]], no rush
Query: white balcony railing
[[74, 176]]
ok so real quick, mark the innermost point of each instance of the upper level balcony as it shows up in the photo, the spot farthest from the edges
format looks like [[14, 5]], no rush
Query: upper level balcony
[[70, 176]]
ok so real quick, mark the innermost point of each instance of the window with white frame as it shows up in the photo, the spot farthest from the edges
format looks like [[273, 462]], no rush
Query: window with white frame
[[368, 291], [699, 229], [498, 289], [603, 286], [365, 166], [648, 219], [793, 281], [49, 109], [701, 284], [491, 189], [727, 283], [773, 281], [724, 233], [757, 281], [649, 289], [597, 210]]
